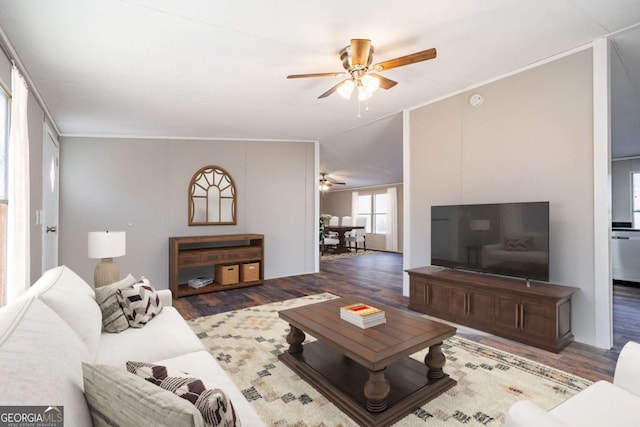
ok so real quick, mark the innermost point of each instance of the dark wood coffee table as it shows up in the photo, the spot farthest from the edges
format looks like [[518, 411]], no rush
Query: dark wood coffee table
[[367, 372]]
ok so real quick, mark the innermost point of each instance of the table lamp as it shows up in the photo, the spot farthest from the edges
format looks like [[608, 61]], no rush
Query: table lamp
[[480, 226], [106, 245]]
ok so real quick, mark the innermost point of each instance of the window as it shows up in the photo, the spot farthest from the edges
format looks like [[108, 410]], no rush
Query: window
[[4, 145], [635, 201], [375, 207]]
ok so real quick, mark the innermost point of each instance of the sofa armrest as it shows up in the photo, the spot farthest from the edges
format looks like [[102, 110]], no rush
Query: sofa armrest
[[525, 413], [627, 375], [165, 296]]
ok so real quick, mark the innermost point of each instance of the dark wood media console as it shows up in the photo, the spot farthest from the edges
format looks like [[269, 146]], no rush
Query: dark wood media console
[[538, 315]]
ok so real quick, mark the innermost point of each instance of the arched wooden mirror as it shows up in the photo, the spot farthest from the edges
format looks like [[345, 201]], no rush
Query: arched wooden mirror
[[212, 197]]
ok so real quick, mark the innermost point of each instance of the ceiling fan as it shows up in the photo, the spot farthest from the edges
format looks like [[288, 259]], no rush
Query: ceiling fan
[[356, 59], [326, 183]]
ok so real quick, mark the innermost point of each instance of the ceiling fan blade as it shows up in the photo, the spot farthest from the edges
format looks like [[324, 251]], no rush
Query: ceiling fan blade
[[405, 60], [385, 83], [333, 89], [302, 76], [337, 183], [360, 52]]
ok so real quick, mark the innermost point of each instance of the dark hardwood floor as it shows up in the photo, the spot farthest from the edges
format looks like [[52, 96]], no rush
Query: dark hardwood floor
[[378, 278]]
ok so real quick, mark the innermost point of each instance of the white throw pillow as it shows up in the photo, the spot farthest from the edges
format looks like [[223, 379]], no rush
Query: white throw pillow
[[119, 398], [113, 318]]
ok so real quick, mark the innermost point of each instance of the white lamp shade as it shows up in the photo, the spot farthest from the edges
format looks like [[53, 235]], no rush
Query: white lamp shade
[[107, 244], [346, 88], [480, 224]]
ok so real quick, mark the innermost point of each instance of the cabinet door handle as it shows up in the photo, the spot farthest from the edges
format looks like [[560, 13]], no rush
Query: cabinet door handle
[[426, 294], [468, 297], [521, 316], [517, 315]]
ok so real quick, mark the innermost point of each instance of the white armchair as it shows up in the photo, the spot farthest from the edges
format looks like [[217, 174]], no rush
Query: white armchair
[[600, 404]]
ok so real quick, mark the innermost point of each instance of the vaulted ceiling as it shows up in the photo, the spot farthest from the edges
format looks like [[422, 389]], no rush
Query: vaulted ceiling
[[216, 69]]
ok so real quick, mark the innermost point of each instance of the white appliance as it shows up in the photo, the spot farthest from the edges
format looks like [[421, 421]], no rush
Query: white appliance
[[625, 254]]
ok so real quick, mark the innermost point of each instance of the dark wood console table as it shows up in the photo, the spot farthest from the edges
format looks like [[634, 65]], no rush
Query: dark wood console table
[[538, 315], [209, 251]]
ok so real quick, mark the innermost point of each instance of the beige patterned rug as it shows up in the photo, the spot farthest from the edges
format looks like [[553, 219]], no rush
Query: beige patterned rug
[[247, 342], [329, 256]]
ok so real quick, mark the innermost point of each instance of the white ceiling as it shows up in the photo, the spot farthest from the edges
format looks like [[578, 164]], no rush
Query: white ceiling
[[201, 68]]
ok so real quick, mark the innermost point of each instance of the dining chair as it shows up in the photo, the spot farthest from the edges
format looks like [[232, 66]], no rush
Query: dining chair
[[346, 221], [333, 221], [328, 241], [358, 235]]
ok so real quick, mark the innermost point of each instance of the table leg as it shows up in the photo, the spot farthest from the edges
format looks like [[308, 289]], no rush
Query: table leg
[[376, 390], [295, 338], [435, 361]]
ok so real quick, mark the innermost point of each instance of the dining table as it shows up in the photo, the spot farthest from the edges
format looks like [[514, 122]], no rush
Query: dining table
[[341, 247]]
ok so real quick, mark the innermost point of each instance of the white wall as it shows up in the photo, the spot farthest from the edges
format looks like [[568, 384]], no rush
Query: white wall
[[531, 140], [621, 188], [141, 186]]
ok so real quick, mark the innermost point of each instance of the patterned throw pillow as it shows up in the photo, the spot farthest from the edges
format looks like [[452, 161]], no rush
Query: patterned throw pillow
[[214, 404], [517, 244], [118, 398], [139, 302], [113, 318]]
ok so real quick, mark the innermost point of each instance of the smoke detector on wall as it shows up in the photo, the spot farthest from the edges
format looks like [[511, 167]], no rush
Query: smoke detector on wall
[[476, 100]]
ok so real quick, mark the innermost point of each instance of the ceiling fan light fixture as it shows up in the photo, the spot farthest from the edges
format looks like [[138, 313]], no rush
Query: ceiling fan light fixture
[[370, 83], [363, 94], [346, 89]]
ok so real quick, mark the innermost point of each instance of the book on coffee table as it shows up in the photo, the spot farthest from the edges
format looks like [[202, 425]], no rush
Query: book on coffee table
[[362, 315]]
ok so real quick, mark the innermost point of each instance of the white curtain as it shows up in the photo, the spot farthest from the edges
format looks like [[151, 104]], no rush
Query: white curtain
[[354, 207], [392, 219], [18, 250]]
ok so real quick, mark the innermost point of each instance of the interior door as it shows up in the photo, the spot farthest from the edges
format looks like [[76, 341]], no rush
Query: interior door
[[50, 199]]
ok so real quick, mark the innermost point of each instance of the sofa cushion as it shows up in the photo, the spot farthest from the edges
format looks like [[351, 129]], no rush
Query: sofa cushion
[[40, 360], [202, 365], [518, 244], [116, 397], [600, 404], [140, 303], [73, 300], [212, 402], [168, 335], [113, 318]]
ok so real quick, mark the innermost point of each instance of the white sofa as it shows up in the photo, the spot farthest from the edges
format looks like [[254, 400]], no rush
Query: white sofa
[[47, 334], [600, 404]]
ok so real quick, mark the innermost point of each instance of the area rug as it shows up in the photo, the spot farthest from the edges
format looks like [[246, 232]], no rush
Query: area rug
[[330, 256], [247, 343]]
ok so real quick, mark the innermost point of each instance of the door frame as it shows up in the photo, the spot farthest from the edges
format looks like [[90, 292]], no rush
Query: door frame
[[49, 133]]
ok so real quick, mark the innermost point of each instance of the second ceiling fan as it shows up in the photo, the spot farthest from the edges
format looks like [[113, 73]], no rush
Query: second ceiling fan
[[326, 183], [361, 75]]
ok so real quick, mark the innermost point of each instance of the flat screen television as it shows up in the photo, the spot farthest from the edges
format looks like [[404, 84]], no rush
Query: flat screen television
[[509, 239]]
